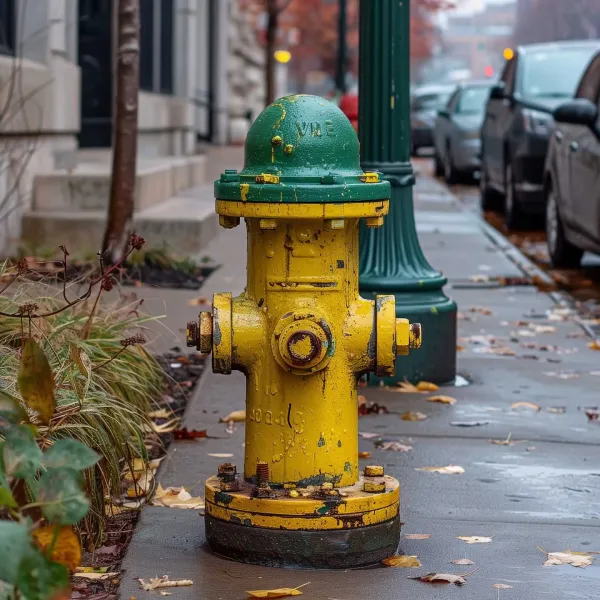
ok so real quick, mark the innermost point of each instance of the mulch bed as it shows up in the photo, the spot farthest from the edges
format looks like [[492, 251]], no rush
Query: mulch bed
[[182, 372]]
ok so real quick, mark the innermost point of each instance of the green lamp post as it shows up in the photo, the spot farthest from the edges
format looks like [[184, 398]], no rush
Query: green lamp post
[[391, 259]]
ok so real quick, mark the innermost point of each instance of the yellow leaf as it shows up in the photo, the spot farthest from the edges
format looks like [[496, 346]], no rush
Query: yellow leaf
[[417, 536], [175, 497], [595, 345], [575, 559], [474, 539], [402, 561], [442, 399], [406, 387], [236, 416], [364, 455], [413, 416], [525, 405], [66, 549], [462, 561], [162, 413], [164, 582], [449, 470], [141, 486], [426, 386], [92, 575], [167, 427], [278, 593], [36, 382]]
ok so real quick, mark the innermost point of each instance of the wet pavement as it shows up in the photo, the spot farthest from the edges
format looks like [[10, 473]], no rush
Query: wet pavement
[[538, 491]]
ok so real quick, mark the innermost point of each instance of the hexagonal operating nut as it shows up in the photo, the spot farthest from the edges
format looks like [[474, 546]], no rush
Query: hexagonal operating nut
[[205, 338], [373, 471], [192, 334], [374, 485], [408, 336], [415, 335]]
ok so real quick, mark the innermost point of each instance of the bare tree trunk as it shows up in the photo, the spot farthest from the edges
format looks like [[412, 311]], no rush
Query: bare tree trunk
[[271, 34], [122, 189]]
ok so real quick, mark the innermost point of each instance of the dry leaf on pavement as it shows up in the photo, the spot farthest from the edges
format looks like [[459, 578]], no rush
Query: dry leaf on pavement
[[141, 486], [189, 434], [557, 410], [427, 386], [592, 414], [595, 345], [568, 557], [367, 435], [278, 593], [395, 447], [413, 416], [542, 328], [100, 573], [449, 470], [441, 578], [474, 539], [417, 536], [162, 413], [402, 561], [220, 454], [176, 497], [481, 310], [506, 442], [405, 387], [199, 301], [442, 399], [462, 561], [501, 586], [236, 416], [164, 582], [530, 405], [167, 427], [561, 375], [364, 455]]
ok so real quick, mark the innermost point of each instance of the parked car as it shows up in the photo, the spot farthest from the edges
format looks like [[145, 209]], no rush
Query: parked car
[[425, 102], [518, 123], [349, 106], [572, 179], [457, 131]]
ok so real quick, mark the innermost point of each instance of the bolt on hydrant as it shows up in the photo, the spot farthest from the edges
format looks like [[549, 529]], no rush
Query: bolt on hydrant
[[303, 336]]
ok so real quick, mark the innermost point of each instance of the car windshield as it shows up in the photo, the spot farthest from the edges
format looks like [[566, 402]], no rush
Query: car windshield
[[432, 101], [554, 74], [472, 100]]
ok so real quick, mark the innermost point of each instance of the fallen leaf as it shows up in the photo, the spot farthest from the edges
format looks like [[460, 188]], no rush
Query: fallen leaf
[[405, 387], [394, 447], [413, 416], [164, 582], [220, 454], [530, 448], [501, 586], [441, 578], [449, 470], [163, 593], [141, 486], [176, 497], [402, 561], [442, 399], [167, 427], [482, 310], [542, 328], [63, 544], [96, 574], [162, 413], [236, 416], [595, 345], [367, 435], [109, 550], [426, 386], [575, 559], [364, 455], [417, 536], [189, 434], [462, 561], [557, 410], [199, 301], [36, 381], [530, 405], [469, 423], [362, 400], [592, 415], [372, 409], [506, 442], [278, 593], [474, 539]]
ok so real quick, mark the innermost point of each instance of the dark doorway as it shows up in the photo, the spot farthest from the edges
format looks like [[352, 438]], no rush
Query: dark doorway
[[95, 61]]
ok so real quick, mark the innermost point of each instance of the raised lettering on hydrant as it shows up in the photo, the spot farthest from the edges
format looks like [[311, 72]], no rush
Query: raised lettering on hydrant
[[302, 335]]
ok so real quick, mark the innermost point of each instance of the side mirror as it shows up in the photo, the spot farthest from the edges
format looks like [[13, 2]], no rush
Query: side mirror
[[577, 112], [498, 92], [444, 113]]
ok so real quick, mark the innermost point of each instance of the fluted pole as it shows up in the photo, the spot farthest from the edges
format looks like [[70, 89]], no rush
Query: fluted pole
[[391, 258]]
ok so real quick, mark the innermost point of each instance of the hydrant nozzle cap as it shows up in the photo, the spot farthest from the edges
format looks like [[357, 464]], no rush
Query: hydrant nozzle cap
[[302, 148]]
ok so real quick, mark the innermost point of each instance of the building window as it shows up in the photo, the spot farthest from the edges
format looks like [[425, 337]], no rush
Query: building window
[[7, 27], [156, 46]]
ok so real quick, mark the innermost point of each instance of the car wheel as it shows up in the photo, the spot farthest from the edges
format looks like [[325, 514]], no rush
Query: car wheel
[[513, 214], [562, 252], [439, 166], [450, 175]]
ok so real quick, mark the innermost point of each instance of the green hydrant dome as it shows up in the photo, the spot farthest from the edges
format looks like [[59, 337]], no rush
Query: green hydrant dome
[[301, 148]]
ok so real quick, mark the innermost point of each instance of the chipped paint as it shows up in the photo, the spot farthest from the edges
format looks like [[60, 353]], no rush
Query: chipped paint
[[244, 189]]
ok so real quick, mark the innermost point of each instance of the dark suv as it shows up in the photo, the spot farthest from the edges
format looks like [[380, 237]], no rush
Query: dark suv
[[518, 123]]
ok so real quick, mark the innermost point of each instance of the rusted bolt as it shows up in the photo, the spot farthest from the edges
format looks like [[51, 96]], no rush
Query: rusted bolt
[[374, 485], [262, 474], [206, 333], [226, 470], [231, 485], [288, 149], [228, 222], [415, 336], [304, 346], [276, 140], [192, 334], [373, 471]]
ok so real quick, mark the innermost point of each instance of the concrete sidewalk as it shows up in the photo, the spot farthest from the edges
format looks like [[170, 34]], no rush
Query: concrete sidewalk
[[542, 491]]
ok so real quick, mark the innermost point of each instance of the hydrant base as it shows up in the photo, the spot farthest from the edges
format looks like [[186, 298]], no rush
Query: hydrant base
[[302, 549], [305, 528]]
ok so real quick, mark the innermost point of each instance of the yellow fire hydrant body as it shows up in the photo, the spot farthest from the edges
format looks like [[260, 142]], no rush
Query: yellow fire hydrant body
[[303, 336]]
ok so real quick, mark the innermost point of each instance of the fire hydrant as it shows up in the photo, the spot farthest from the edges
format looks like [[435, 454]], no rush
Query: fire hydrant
[[303, 336]]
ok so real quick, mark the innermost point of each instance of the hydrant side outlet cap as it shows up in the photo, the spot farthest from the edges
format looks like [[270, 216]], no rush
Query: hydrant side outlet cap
[[302, 148]]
